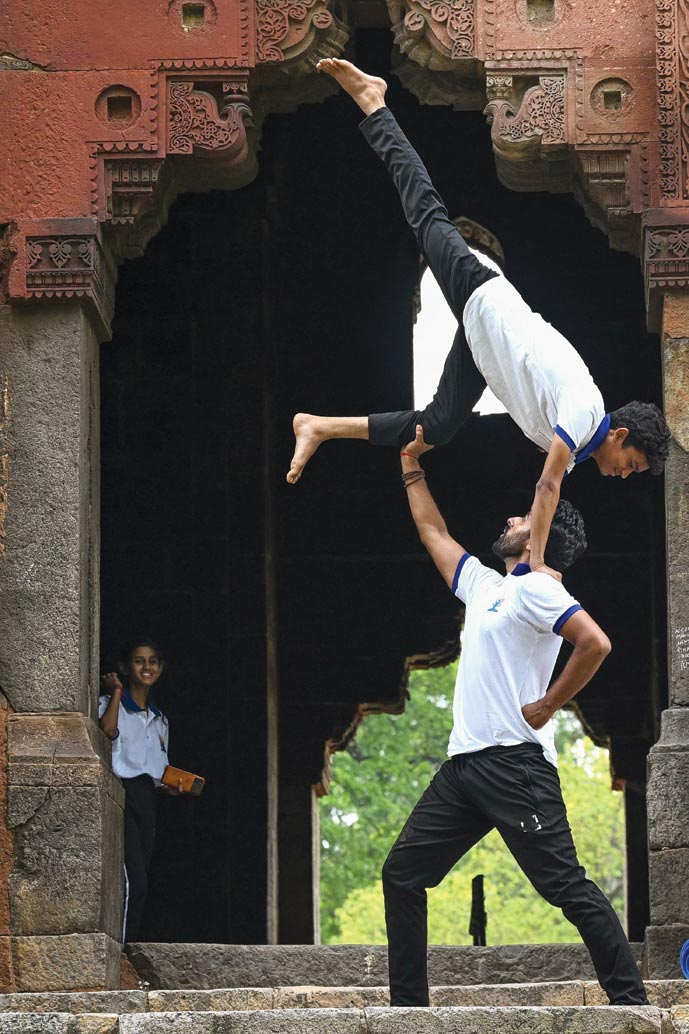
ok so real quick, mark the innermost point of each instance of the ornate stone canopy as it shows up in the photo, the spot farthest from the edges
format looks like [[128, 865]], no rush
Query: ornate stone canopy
[[102, 131]]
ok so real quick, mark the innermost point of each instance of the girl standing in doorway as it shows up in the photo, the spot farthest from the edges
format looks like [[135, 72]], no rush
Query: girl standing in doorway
[[139, 733]]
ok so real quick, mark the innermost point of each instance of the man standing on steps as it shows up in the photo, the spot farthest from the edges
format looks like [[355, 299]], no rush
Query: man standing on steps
[[502, 767], [534, 371]]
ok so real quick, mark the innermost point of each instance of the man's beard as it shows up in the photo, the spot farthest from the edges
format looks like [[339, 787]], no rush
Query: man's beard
[[510, 544]]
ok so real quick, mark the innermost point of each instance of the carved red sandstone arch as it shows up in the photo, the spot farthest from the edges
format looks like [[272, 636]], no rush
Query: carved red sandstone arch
[[575, 103], [100, 132]]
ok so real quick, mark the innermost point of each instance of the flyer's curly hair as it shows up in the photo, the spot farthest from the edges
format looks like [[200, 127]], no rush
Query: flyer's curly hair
[[567, 538], [648, 432]]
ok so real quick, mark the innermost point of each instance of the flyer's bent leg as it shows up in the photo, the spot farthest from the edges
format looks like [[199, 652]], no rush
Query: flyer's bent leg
[[460, 388], [310, 431]]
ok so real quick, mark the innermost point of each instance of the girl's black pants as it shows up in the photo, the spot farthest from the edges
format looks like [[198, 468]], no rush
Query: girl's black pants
[[139, 833]]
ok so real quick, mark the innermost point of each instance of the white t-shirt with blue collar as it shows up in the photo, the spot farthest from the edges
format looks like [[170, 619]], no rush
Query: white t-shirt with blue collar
[[140, 747], [509, 648], [536, 373]]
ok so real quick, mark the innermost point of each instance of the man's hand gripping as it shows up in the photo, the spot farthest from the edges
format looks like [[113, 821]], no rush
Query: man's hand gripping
[[418, 446]]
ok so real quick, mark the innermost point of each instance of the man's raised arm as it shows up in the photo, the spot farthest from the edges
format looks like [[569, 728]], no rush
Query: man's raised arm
[[444, 551]]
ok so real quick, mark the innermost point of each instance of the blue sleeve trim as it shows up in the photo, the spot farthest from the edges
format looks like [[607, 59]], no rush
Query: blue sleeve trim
[[117, 733], [565, 438], [455, 581], [565, 617]]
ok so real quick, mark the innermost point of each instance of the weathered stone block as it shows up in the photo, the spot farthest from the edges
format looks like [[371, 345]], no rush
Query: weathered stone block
[[679, 1019], [199, 966], [674, 730], [330, 997], [65, 963], [67, 857], [668, 799], [661, 951], [547, 993], [36, 1023], [208, 966], [662, 993], [88, 1023], [6, 969], [76, 1002], [56, 881], [297, 1021], [669, 880], [581, 1020], [222, 1000]]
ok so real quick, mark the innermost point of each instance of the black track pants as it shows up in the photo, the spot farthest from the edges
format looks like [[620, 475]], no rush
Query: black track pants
[[515, 790], [139, 833], [458, 273]]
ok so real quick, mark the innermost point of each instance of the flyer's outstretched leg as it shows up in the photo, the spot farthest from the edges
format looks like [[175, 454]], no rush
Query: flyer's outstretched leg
[[457, 270], [367, 90], [311, 431]]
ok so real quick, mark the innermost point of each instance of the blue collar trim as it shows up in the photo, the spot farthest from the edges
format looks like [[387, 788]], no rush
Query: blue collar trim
[[131, 705], [520, 569], [598, 438]]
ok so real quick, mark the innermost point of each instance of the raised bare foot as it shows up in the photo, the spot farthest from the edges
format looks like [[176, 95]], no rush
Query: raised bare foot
[[309, 437], [367, 90]]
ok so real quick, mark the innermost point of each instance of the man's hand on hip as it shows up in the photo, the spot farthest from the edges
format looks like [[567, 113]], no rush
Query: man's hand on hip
[[537, 714]]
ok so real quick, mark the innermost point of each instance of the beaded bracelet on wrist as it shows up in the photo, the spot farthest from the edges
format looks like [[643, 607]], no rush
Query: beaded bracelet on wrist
[[412, 477]]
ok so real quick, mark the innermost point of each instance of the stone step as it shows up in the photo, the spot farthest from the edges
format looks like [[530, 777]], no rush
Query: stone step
[[451, 1020], [663, 994], [205, 966]]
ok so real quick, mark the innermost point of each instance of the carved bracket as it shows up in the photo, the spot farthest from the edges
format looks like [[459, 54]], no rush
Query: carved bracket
[[62, 260], [522, 126], [666, 257], [603, 186], [436, 34], [196, 123], [286, 29]]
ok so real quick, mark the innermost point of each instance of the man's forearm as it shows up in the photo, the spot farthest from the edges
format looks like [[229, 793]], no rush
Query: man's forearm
[[583, 664], [426, 515], [542, 512]]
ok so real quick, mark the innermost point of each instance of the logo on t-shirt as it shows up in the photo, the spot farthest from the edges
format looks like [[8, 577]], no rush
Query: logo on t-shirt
[[494, 609]]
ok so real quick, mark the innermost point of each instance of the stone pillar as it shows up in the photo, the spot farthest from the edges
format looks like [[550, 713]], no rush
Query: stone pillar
[[668, 763], [636, 863], [60, 831], [299, 871]]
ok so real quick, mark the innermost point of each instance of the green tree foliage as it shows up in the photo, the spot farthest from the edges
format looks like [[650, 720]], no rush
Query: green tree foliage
[[379, 779]]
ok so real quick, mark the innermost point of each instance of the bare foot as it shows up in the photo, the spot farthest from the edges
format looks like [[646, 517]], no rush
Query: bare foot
[[308, 439], [367, 90]]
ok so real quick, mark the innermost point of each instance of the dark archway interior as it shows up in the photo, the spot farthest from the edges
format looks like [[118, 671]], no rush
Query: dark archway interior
[[295, 293]]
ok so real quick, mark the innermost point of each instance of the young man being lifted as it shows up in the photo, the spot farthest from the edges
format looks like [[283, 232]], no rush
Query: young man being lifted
[[535, 372]]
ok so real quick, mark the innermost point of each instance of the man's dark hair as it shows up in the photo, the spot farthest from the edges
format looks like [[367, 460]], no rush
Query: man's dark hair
[[567, 538], [648, 431]]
